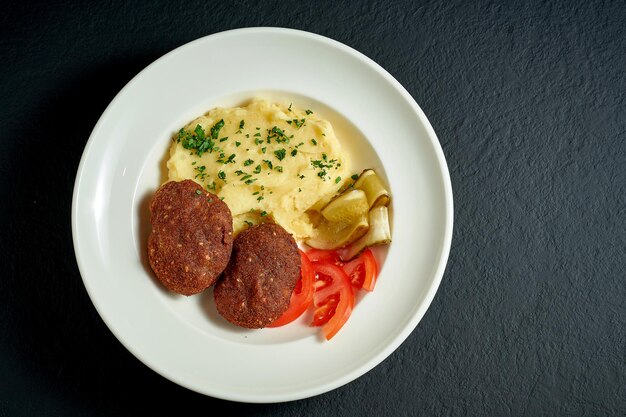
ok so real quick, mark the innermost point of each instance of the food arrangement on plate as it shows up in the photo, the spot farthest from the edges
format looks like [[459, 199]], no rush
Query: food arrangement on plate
[[246, 186]]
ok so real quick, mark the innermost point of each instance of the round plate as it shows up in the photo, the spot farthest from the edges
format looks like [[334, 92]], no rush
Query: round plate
[[183, 338]]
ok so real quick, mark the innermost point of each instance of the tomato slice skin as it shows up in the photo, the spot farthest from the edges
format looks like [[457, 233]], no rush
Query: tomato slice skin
[[333, 298], [316, 255], [363, 271], [302, 299]]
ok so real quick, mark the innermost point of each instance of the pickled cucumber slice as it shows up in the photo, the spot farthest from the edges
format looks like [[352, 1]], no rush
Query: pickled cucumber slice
[[333, 235], [347, 208], [377, 234], [371, 184]]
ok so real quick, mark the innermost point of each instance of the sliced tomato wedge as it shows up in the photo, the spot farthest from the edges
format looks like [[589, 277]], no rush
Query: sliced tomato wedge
[[302, 295], [363, 270], [333, 298], [316, 255]]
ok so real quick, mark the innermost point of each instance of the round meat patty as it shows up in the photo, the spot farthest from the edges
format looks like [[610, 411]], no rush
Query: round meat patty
[[256, 286], [191, 239]]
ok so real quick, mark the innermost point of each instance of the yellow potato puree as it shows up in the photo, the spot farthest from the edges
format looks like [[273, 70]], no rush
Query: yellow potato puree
[[269, 162]]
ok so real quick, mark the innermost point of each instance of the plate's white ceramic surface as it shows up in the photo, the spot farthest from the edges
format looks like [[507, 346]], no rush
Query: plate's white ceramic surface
[[183, 338]]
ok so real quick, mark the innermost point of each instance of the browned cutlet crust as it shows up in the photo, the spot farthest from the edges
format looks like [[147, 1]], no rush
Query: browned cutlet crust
[[256, 286], [191, 239]]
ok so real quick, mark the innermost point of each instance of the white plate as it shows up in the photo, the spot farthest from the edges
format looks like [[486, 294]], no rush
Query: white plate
[[182, 338]]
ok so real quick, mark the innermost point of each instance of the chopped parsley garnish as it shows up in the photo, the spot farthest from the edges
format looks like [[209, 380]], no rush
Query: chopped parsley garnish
[[224, 139], [297, 123], [307, 111], [245, 177], [289, 108], [314, 142], [248, 162], [198, 140], [198, 192], [260, 198], [231, 159], [249, 223], [241, 124], [257, 170], [200, 172], [277, 134], [280, 154], [263, 149], [237, 144], [279, 169], [355, 177], [221, 175], [294, 152], [250, 181], [263, 213], [269, 163], [337, 180]]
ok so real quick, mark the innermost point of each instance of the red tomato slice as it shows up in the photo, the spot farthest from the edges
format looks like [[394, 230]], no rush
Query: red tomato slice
[[302, 295], [363, 270], [333, 298], [316, 255]]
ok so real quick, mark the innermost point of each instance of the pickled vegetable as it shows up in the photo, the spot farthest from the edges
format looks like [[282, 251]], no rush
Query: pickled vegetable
[[377, 234]]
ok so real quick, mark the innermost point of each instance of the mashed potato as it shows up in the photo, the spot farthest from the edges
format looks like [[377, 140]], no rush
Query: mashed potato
[[268, 162]]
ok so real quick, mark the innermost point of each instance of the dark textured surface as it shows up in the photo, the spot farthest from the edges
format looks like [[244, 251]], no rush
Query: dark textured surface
[[529, 105]]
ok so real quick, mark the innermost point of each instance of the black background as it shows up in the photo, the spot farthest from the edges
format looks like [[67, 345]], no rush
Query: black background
[[528, 101]]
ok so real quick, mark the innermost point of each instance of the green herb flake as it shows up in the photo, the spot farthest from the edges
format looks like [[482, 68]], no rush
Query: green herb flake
[[337, 180], [221, 175], [224, 139], [280, 154], [314, 142], [263, 149], [237, 144], [242, 124], [307, 111], [248, 162], [249, 223], [263, 213], [294, 152], [198, 192], [297, 123], [279, 169], [257, 170], [355, 177]]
